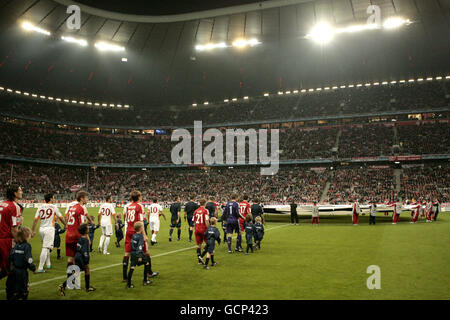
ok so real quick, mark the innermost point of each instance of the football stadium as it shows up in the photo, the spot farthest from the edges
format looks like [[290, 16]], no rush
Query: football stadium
[[225, 150]]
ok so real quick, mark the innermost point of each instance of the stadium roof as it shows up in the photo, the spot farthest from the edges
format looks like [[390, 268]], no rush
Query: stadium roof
[[163, 67]]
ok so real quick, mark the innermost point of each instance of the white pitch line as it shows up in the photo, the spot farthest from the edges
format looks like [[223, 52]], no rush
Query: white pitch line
[[119, 264]]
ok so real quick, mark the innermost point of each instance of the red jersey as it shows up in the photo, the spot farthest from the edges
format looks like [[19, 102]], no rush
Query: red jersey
[[244, 209], [10, 216], [76, 215], [201, 215], [134, 212]]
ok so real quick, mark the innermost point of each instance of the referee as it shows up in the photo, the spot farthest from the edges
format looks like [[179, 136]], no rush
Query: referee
[[294, 215]]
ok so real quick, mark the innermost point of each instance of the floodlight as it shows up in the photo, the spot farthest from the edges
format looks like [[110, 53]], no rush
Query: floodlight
[[395, 22], [266, 94], [104, 46], [80, 42], [30, 27], [322, 33]]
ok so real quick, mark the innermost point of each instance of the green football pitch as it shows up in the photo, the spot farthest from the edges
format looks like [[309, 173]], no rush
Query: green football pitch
[[296, 262]]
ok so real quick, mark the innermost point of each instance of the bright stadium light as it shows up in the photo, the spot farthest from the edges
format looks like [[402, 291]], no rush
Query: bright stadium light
[[119, 106], [226, 100], [376, 83], [447, 77], [194, 104], [246, 98], [280, 92], [9, 90], [124, 59], [395, 22], [419, 79], [402, 81], [266, 94], [42, 97], [104, 46], [126, 106], [74, 101], [34, 95], [89, 103], [319, 89], [18, 92], [234, 99], [328, 88], [26, 94], [30, 27], [322, 33], [343, 87], [287, 92], [97, 104], [58, 99], [80, 42], [411, 80], [359, 85], [311, 90], [50, 98], [241, 43], [393, 82], [210, 46], [303, 90], [66, 100], [429, 79], [438, 78], [205, 103], [384, 83], [104, 104], [357, 28]]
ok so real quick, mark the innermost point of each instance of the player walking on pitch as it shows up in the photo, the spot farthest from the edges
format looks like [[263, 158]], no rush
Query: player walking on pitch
[[133, 213], [155, 211], [231, 214], [201, 220], [76, 215], [47, 214], [175, 221], [106, 213], [10, 214]]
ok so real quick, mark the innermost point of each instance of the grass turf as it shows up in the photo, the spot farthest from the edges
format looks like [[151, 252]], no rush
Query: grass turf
[[296, 262]]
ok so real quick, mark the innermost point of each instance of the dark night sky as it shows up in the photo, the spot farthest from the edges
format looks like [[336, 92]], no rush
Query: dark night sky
[[162, 7]]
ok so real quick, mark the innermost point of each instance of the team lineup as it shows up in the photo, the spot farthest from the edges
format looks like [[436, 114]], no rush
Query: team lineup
[[237, 218]]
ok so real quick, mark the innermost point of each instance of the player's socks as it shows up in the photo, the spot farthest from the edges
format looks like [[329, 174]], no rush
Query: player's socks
[[204, 252], [239, 242], [125, 266], [130, 275], [58, 251], [170, 234], [207, 261], [102, 239], [105, 248], [179, 234], [87, 280], [190, 235], [248, 247], [229, 243], [198, 252], [251, 247], [42, 258], [212, 260]]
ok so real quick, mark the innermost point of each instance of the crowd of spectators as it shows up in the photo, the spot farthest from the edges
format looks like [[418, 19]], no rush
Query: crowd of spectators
[[291, 182], [367, 140], [294, 143], [362, 184], [355, 100], [429, 138], [426, 183]]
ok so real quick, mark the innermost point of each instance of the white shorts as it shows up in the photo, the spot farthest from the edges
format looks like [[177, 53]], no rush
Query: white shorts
[[154, 225], [107, 230], [48, 237]]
